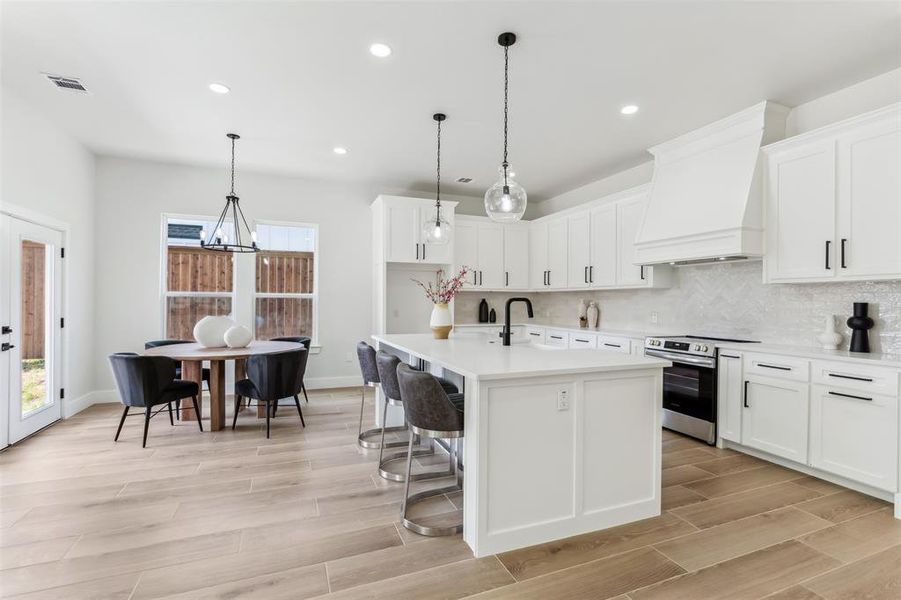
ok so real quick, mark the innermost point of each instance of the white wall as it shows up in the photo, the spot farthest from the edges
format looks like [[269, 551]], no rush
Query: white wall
[[133, 194], [45, 171]]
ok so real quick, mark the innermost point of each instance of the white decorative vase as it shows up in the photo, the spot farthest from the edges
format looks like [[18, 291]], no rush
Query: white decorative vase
[[830, 338], [594, 315], [583, 314], [238, 336], [440, 322], [210, 331]]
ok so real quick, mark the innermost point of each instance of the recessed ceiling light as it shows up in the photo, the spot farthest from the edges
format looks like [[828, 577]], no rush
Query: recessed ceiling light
[[339, 150], [219, 88], [629, 109], [380, 50]]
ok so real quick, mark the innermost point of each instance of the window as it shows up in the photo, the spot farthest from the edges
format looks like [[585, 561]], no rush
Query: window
[[196, 282], [286, 292]]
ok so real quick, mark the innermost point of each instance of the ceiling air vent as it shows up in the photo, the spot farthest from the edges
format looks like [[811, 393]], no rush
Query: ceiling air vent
[[464, 179], [67, 83]]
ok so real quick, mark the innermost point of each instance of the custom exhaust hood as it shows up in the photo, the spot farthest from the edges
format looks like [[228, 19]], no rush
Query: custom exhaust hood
[[705, 200]]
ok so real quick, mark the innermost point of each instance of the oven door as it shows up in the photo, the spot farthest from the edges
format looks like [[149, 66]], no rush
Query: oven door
[[689, 395]]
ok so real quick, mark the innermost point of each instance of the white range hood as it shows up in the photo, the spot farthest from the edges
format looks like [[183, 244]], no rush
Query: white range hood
[[705, 200]]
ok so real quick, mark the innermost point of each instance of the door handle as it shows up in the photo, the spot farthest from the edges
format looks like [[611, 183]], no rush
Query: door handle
[[507, 278], [481, 280], [745, 394], [475, 278], [417, 251], [828, 245], [6, 346], [641, 270], [844, 242], [586, 274], [590, 273], [549, 277]]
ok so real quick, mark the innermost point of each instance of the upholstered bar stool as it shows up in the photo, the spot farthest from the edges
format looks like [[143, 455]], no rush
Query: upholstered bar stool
[[431, 413], [387, 366], [370, 372]]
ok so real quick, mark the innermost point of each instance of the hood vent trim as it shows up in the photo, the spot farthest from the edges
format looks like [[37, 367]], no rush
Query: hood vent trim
[[705, 200]]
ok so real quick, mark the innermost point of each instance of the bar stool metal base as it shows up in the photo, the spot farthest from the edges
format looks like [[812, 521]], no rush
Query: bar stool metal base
[[363, 436], [385, 473], [432, 530]]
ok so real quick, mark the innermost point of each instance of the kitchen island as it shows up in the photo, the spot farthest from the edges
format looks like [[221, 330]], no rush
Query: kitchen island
[[558, 442]]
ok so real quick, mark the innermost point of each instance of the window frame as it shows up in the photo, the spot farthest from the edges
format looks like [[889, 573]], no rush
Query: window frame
[[314, 296], [165, 293]]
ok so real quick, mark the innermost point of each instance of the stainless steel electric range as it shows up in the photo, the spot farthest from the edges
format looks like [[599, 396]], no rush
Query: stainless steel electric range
[[689, 386]]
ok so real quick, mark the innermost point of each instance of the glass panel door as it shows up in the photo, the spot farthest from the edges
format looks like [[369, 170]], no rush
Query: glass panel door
[[32, 343]]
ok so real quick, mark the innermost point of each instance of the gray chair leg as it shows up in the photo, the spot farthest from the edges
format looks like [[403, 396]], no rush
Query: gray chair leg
[[297, 402], [197, 412], [237, 407], [274, 408], [178, 410], [304, 390], [121, 423], [407, 479], [171, 421], [146, 425]]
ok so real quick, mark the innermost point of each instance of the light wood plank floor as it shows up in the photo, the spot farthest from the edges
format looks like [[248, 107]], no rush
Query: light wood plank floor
[[234, 515]]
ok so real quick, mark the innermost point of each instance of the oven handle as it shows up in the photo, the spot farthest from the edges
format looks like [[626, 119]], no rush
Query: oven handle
[[681, 358]]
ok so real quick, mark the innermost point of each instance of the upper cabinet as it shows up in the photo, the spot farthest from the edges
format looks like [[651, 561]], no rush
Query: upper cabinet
[[497, 255], [397, 231], [833, 202], [548, 254]]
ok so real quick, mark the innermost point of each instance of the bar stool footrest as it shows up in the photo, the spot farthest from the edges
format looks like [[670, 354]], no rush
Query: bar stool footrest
[[374, 445], [431, 531], [392, 476]]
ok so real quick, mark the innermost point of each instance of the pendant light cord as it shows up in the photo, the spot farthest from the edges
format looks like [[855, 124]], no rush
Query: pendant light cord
[[233, 166], [506, 85], [438, 184]]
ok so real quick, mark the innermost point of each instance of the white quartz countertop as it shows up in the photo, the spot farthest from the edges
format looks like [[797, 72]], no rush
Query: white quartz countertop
[[483, 357], [632, 334], [874, 359]]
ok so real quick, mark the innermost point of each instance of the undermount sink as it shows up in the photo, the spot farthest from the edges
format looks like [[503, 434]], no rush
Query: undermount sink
[[523, 342]]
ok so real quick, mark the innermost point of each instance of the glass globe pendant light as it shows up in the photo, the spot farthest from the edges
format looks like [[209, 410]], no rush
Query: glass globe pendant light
[[505, 201], [437, 229], [218, 239]]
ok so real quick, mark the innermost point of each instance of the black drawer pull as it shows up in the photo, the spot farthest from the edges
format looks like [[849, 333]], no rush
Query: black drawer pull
[[746, 395], [729, 356], [556, 337], [850, 377], [850, 396], [613, 345], [535, 334], [583, 341], [777, 367], [828, 244]]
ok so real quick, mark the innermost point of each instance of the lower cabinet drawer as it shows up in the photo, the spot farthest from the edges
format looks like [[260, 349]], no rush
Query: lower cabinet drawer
[[614, 344], [583, 340], [782, 367], [854, 376], [535, 334], [855, 435], [556, 337]]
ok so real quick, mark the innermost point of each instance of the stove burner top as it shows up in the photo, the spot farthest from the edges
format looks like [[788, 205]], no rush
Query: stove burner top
[[696, 345]]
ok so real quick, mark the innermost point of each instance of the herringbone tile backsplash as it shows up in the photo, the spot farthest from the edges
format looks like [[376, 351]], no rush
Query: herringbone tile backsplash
[[727, 300]]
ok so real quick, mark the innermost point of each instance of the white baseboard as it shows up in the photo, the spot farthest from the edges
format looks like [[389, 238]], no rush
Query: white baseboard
[[73, 407]]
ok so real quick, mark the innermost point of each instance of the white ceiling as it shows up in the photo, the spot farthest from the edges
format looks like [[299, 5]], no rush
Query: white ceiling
[[303, 81]]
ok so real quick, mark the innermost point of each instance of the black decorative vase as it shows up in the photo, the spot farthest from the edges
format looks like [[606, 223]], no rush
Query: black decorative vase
[[860, 325], [483, 311], [492, 316]]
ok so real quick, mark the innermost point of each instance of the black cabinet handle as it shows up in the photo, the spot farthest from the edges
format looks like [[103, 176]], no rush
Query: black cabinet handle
[[6, 330], [850, 396], [828, 245], [583, 341], [844, 242], [423, 252], [836, 375], [507, 278], [556, 337], [729, 356], [481, 279], [6, 346], [549, 277], [613, 345], [417, 251], [778, 368], [591, 274], [745, 394], [586, 274], [641, 270], [535, 334], [475, 278]]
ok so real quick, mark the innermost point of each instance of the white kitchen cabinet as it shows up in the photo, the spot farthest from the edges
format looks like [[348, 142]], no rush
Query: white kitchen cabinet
[[516, 256], [775, 416], [629, 214], [556, 254], [398, 227], [855, 435], [614, 344], [535, 334], [602, 265], [801, 213], [480, 246], [729, 395], [556, 337], [583, 340], [548, 254], [578, 249], [833, 202], [869, 201]]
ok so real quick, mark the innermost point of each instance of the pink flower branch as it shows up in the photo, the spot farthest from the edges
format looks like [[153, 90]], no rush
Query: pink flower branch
[[442, 290]]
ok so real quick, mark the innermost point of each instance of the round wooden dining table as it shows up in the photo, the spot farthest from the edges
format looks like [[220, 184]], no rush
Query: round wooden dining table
[[192, 355]]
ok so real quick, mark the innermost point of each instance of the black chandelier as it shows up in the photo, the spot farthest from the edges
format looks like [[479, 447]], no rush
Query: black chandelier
[[218, 239]]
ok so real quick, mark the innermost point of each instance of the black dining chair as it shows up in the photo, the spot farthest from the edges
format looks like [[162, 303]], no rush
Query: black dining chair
[[205, 373], [306, 341], [271, 377], [149, 381]]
